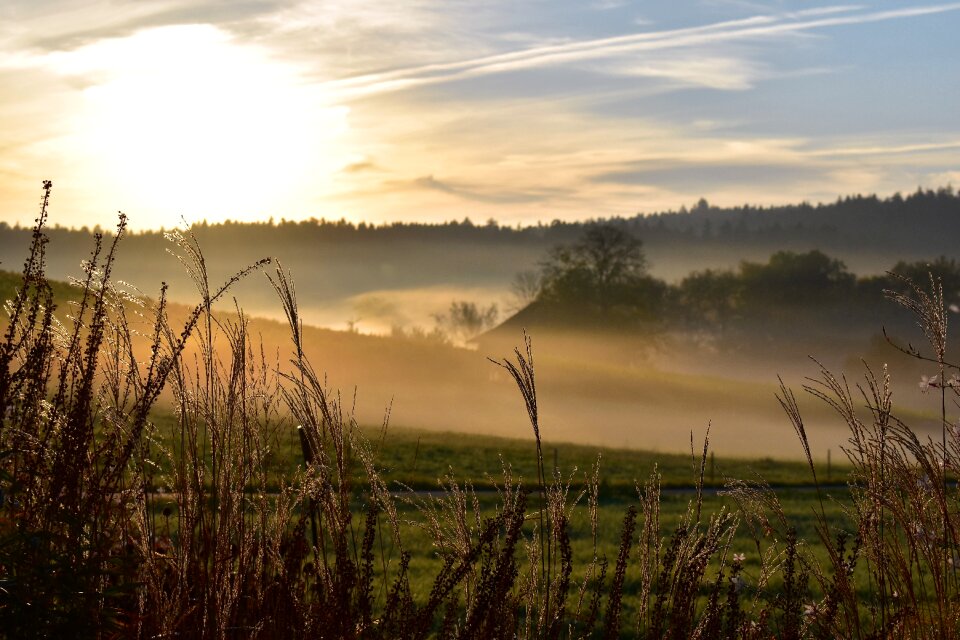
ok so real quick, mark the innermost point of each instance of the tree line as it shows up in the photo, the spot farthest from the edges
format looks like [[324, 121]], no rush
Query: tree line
[[870, 217], [603, 280]]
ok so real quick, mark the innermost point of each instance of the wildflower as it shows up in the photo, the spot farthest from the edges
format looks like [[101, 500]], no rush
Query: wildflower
[[926, 383], [810, 610], [739, 557], [954, 308]]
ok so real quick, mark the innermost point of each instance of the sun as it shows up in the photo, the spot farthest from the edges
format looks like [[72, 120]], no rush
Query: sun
[[182, 121]]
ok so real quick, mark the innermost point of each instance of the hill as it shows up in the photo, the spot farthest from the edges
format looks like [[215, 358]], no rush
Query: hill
[[595, 388]]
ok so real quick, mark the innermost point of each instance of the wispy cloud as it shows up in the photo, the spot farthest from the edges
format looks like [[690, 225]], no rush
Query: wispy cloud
[[360, 167], [607, 5], [718, 71], [710, 177], [755, 27], [531, 57], [483, 193], [880, 150]]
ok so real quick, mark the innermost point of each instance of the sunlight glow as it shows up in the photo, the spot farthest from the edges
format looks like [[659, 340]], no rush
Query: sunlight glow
[[186, 120]]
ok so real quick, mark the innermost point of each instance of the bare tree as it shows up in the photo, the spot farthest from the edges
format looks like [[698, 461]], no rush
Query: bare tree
[[524, 289], [463, 320]]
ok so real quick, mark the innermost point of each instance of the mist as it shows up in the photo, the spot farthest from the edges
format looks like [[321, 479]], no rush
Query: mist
[[371, 297]]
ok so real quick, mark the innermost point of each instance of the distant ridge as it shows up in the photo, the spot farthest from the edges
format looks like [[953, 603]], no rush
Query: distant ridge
[[850, 214], [336, 261]]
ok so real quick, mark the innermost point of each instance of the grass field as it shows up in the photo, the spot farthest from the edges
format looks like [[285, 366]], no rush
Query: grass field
[[427, 462], [421, 467], [169, 478]]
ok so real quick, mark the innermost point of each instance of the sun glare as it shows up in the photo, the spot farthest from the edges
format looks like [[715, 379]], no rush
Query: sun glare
[[182, 121]]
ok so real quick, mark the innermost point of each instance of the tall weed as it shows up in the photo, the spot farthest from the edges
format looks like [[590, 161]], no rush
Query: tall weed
[[113, 526]]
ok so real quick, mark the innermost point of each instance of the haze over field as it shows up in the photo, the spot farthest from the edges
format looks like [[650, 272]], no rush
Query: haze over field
[[403, 160], [642, 370], [376, 278]]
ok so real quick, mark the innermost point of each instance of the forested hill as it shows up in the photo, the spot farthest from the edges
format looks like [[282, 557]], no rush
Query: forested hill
[[924, 221], [931, 218], [337, 261]]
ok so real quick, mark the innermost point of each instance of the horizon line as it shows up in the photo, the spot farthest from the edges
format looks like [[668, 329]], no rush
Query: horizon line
[[467, 221]]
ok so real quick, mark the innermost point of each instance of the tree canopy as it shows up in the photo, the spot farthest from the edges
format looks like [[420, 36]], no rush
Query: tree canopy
[[605, 268]]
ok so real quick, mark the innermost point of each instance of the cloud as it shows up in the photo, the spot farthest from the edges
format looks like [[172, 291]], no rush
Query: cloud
[[71, 24], [339, 38], [576, 51], [362, 166], [607, 5], [747, 5], [483, 194], [367, 31], [771, 171], [886, 150], [705, 178], [751, 28], [701, 69]]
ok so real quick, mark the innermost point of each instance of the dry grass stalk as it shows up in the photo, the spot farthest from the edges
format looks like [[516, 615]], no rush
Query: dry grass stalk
[[111, 528]]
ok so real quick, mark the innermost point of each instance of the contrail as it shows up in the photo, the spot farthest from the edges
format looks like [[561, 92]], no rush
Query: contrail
[[726, 31]]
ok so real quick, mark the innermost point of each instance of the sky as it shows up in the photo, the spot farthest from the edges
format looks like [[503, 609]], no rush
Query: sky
[[431, 110]]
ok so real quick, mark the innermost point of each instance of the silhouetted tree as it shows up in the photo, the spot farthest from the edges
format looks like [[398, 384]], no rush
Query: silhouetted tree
[[604, 267], [945, 270], [709, 298], [792, 279]]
